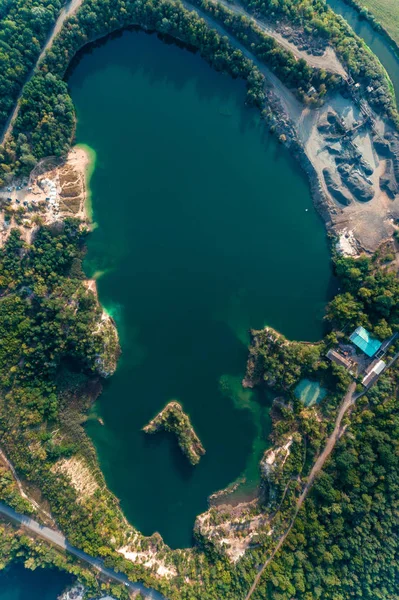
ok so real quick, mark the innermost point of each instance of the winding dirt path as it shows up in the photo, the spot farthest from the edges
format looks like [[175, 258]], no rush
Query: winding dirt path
[[21, 489], [70, 7], [293, 108], [348, 401], [328, 60], [16, 478]]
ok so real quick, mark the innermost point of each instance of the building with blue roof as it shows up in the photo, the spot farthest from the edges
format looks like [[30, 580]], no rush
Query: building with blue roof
[[363, 340]]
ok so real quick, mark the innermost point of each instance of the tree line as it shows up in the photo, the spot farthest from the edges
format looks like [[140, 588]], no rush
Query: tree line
[[297, 75], [46, 120], [24, 27], [317, 20]]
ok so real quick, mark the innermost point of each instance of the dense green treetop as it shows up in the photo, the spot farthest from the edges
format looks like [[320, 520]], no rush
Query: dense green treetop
[[47, 116], [24, 27]]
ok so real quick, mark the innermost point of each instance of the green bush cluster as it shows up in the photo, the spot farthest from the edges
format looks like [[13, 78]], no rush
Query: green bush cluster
[[24, 27]]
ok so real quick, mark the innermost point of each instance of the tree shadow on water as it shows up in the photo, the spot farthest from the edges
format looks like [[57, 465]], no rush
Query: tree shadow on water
[[167, 441], [161, 58]]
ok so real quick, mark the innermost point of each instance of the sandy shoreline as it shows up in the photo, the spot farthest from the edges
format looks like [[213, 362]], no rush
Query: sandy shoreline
[[82, 160], [54, 191]]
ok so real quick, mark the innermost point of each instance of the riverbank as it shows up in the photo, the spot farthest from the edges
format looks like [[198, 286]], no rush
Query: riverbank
[[381, 18]]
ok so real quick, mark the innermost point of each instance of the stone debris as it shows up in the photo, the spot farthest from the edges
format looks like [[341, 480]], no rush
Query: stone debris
[[301, 39], [76, 592], [336, 189], [357, 184], [388, 181], [148, 558], [347, 244], [334, 148], [382, 147], [50, 186]]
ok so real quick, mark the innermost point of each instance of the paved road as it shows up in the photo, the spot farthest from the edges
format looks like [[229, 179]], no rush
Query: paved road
[[57, 539], [347, 402]]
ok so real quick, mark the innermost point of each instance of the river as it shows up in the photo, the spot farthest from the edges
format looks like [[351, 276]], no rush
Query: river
[[375, 41], [206, 228]]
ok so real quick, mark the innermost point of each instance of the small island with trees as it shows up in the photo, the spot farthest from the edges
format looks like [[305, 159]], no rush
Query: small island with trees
[[318, 527], [172, 418]]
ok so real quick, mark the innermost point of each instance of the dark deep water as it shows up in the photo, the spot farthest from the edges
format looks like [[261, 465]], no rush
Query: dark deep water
[[145, 70], [206, 228], [18, 583]]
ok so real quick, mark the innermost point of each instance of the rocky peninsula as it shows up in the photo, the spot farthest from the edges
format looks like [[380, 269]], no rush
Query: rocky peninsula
[[172, 418]]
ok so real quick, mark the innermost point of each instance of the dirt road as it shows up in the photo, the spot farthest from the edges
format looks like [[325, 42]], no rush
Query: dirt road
[[20, 487], [347, 402], [327, 61], [66, 12]]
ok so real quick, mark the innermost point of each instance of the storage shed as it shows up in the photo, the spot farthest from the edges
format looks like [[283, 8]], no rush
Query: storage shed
[[376, 369], [363, 340]]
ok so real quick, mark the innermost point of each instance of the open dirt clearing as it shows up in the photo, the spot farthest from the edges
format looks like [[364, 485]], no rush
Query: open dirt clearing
[[328, 60]]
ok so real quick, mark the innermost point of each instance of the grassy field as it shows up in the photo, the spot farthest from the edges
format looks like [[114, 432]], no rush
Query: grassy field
[[387, 13]]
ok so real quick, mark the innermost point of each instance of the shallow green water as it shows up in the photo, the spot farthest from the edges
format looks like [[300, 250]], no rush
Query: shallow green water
[[374, 40], [310, 392], [18, 583], [205, 229]]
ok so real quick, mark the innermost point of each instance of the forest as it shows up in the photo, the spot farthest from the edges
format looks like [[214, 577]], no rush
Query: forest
[[45, 125], [47, 350], [42, 287], [173, 419], [343, 543], [24, 27], [369, 297]]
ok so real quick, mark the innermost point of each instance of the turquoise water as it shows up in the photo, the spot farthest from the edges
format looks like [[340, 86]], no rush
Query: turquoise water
[[18, 583], [310, 392], [206, 228]]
